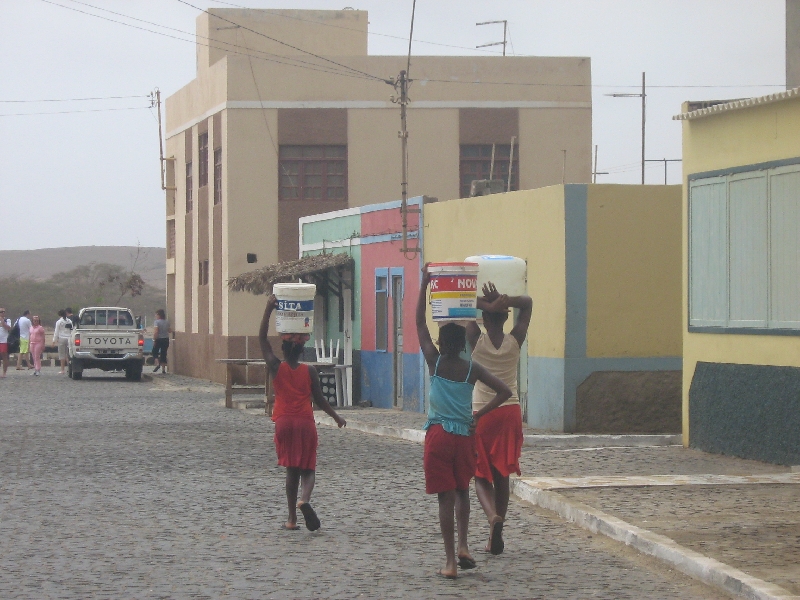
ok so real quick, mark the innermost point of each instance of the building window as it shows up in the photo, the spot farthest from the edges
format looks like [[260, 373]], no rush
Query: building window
[[203, 272], [313, 173], [171, 238], [744, 251], [189, 199], [476, 162], [202, 171], [218, 176], [382, 310]]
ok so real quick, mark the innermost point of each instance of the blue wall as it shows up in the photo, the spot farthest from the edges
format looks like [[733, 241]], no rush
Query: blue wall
[[376, 380]]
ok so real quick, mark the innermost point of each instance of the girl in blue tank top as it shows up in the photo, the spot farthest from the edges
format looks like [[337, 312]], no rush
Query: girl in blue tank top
[[449, 451]]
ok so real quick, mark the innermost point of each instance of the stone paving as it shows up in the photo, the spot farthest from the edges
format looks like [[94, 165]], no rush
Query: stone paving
[[754, 528], [114, 489]]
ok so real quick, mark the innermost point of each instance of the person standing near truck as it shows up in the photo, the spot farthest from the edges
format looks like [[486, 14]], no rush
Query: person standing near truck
[[24, 323], [37, 342], [498, 436], [161, 331], [61, 339]]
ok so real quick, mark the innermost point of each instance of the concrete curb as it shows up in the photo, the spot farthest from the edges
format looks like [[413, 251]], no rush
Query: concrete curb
[[411, 435], [581, 440], [530, 441], [708, 570]]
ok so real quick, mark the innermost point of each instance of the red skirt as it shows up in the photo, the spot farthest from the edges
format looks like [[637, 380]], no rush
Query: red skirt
[[296, 442], [449, 460], [498, 440]]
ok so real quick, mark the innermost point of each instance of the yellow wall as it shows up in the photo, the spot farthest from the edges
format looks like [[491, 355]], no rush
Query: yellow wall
[[746, 136], [633, 284], [528, 224]]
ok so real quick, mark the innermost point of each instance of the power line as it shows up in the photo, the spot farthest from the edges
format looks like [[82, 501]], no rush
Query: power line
[[69, 99], [201, 36], [288, 45], [386, 35], [319, 68], [66, 112]]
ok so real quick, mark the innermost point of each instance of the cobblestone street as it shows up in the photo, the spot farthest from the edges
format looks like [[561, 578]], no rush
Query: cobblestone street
[[112, 489]]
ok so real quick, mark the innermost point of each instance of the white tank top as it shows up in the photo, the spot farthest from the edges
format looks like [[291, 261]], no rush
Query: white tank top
[[502, 363]]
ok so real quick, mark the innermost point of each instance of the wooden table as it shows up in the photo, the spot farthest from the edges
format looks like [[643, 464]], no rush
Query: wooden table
[[232, 388]]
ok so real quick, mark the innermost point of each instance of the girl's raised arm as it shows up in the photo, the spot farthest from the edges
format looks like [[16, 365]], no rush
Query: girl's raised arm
[[426, 344]]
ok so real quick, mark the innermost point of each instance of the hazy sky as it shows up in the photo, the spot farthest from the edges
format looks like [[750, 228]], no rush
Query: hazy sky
[[92, 177]]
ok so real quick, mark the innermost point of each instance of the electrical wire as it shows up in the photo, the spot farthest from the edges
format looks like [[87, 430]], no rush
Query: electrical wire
[[386, 35], [320, 68], [69, 99], [203, 37], [288, 45], [66, 112]]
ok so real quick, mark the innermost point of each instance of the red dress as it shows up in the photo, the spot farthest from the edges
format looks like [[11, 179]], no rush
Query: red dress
[[295, 430]]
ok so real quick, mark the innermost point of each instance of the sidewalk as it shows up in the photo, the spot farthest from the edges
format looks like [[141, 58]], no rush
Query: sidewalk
[[732, 523]]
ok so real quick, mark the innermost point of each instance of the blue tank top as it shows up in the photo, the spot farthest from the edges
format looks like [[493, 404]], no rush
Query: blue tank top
[[450, 403]]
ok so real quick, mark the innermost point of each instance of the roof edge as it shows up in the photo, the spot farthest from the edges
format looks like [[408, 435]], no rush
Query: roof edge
[[737, 105]]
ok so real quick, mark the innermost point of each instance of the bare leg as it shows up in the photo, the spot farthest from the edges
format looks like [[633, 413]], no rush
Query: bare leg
[[462, 521], [447, 503], [292, 484], [308, 478], [486, 496], [4, 360], [63, 365], [501, 493]]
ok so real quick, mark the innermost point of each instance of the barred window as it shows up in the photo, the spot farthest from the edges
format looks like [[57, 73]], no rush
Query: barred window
[[218, 176], [189, 199], [202, 171], [476, 162], [313, 173]]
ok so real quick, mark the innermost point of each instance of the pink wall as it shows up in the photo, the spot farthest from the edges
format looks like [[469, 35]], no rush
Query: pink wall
[[387, 255]]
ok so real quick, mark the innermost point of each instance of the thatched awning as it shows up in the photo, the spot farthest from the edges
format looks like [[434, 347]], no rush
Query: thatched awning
[[261, 280]]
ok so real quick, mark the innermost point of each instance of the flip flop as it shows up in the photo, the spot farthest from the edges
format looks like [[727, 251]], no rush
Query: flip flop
[[440, 574], [311, 518], [496, 538], [465, 562], [287, 528]]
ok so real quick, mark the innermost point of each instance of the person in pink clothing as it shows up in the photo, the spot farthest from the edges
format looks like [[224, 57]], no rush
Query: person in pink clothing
[[37, 344]]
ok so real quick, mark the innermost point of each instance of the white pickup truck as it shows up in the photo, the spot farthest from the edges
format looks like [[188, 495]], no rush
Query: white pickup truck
[[106, 337]]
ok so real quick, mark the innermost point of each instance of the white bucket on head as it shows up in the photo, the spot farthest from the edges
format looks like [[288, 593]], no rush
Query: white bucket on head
[[454, 291], [295, 310]]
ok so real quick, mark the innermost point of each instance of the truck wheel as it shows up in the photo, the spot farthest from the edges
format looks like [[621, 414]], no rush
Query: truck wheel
[[133, 373], [73, 372]]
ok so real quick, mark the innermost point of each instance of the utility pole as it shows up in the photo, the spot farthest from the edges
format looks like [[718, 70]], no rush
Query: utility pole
[[641, 95], [400, 85], [505, 30], [155, 100], [665, 161], [595, 172]]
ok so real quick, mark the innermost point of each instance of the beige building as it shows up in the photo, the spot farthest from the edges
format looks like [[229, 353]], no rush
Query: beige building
[[268, 132]]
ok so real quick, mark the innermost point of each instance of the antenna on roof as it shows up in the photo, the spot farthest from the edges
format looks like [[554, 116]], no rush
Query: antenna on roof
[[505, 31]]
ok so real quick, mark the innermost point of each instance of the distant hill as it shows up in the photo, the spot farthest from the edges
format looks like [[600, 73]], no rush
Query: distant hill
[[42, 264]]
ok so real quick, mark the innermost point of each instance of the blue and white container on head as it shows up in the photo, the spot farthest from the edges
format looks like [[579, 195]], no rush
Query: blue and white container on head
[[295, 310], [509, 274]]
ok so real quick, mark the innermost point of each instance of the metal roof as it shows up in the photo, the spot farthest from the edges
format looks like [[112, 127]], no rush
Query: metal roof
[[737, 104]]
